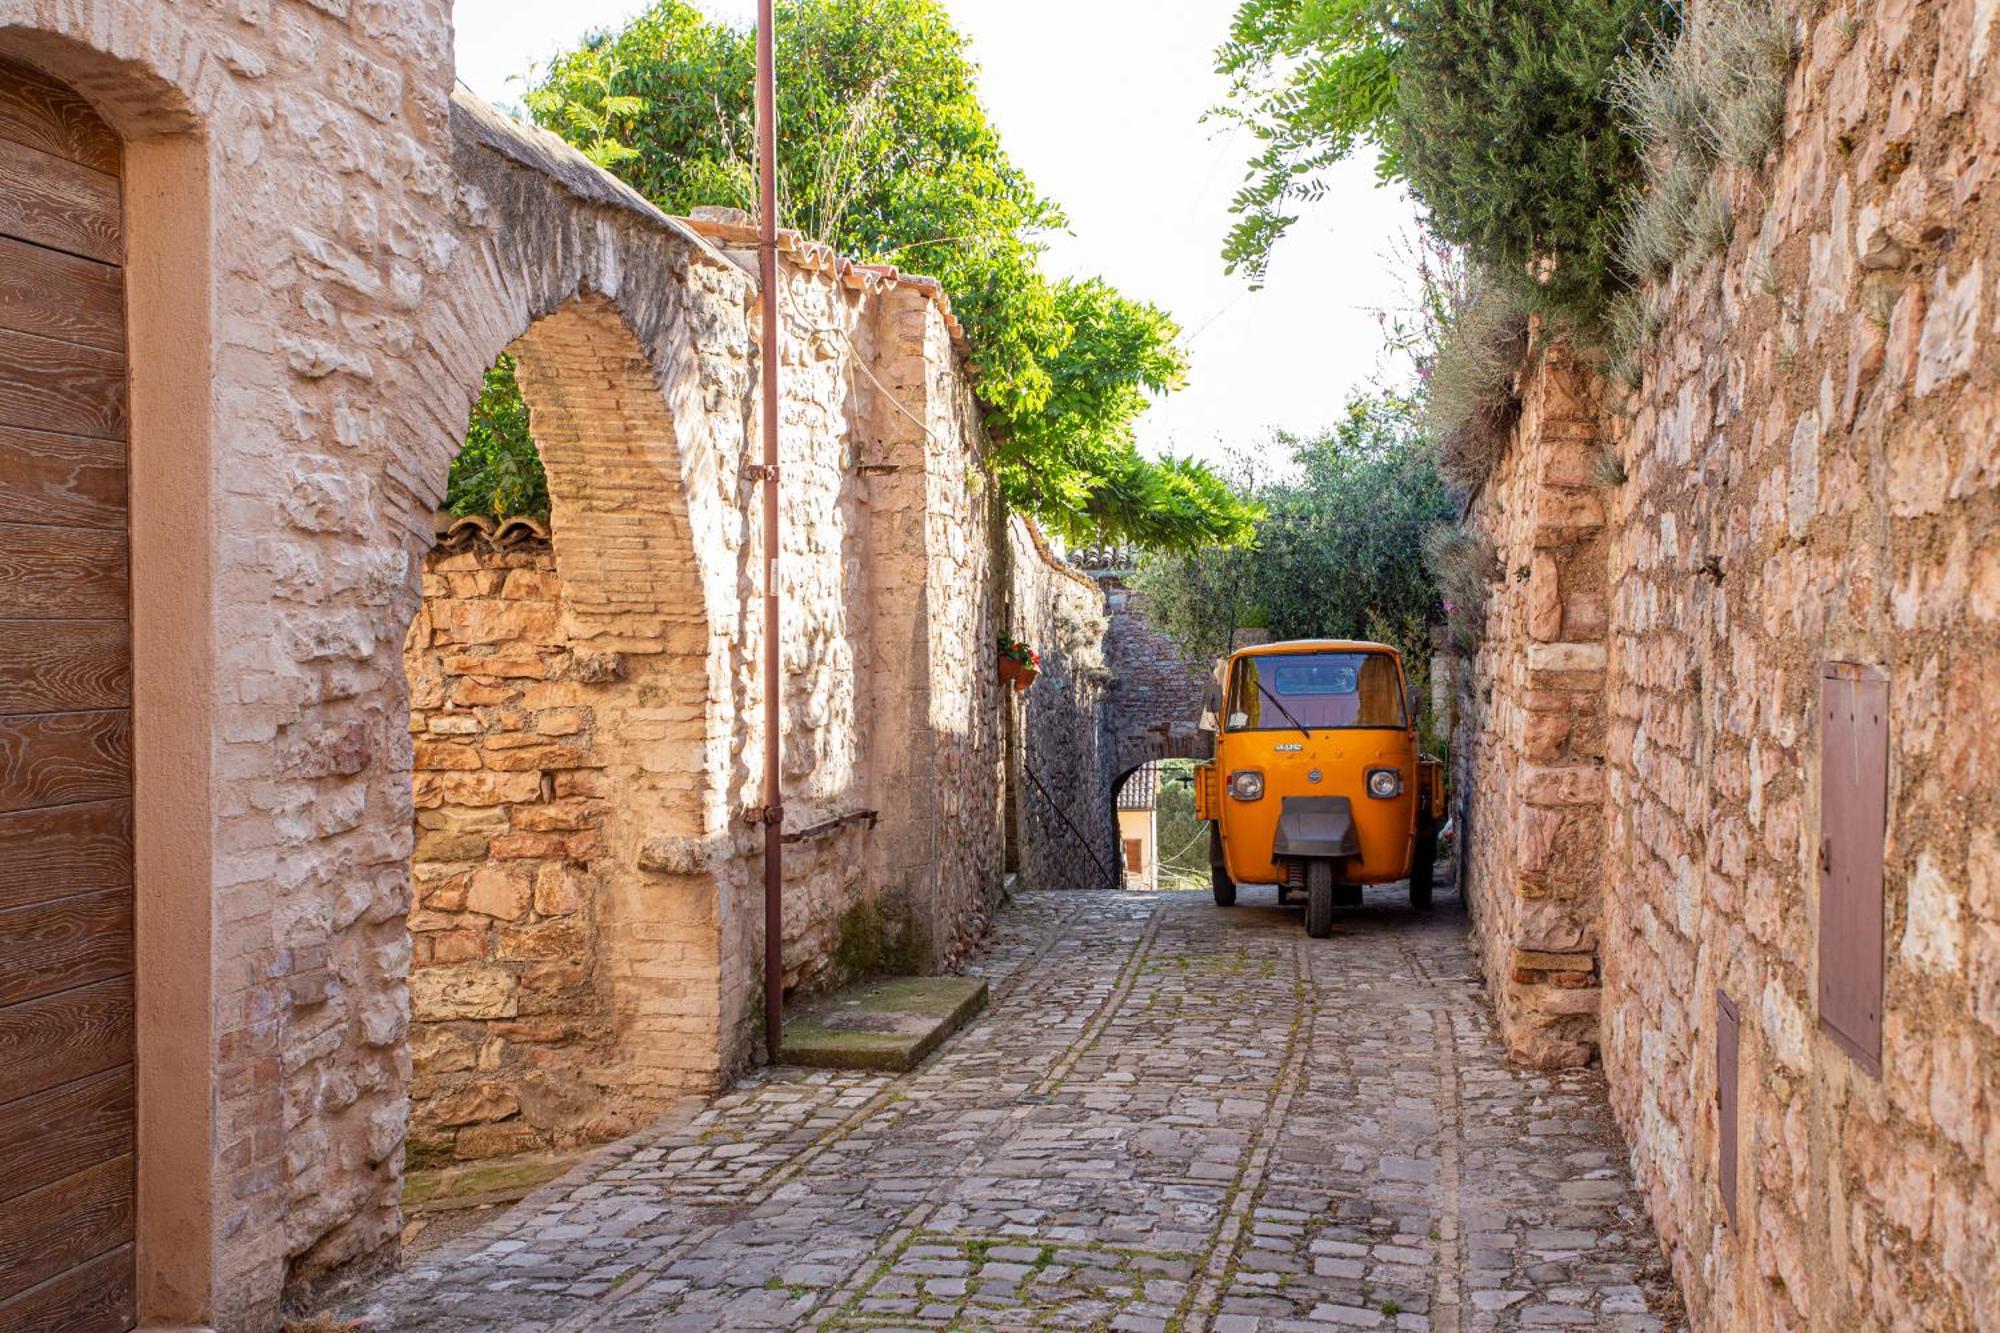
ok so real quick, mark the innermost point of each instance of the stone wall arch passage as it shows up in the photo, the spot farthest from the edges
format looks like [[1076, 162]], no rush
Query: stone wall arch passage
[[563, 988]]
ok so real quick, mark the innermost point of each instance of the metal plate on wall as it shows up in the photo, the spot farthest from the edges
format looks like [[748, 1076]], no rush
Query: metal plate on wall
[[1853, 826], [1728, 1048]]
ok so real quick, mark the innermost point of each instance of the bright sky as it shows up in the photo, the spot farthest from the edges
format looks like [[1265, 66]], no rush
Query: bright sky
[[1100, 102]]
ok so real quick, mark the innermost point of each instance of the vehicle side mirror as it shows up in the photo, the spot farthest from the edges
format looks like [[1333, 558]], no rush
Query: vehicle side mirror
[[1410, 702], [1211, 708]]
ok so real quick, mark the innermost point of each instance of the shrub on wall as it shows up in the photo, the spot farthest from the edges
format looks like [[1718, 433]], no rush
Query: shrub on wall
[[1469, 404], [1714, 95], [1502, 131], [1464, 566]]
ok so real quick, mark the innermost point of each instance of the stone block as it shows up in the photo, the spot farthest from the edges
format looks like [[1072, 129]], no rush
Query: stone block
[[559, 889], [1565, 657], [562, 938], [476, 1142], [1569, 785], [441, 993], [1545, 606], [500, 891], [474, 1103]]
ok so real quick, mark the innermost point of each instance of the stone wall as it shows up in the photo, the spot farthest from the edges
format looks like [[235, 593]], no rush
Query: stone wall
[[1814, 478], [1530, 775], [511, 1008], [1156, 691], [327, 250], [1061, 816]]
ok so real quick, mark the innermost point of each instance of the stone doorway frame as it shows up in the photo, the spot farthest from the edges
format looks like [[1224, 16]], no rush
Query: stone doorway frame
[[170, 337]]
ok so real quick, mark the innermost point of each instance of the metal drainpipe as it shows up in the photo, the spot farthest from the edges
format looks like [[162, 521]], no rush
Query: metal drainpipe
[[774, 805]]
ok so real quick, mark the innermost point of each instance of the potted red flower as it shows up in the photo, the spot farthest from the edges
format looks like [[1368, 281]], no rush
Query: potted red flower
[[1018, 662]]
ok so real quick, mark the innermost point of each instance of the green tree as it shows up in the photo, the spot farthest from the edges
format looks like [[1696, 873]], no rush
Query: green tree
[[1314, 81], [1497, 116], [1182, 839], [886, 153], [498, 473], [1336, 554]]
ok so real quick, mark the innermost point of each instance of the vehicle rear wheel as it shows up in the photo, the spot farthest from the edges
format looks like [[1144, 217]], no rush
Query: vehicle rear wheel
[[1423, 866], [1218, 871], [1319, 898]]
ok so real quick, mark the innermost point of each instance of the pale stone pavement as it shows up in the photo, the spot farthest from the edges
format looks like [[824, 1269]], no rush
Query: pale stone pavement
[[1172, 1117]]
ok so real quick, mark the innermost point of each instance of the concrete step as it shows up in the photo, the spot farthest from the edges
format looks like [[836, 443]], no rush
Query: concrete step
[[891, 1024]]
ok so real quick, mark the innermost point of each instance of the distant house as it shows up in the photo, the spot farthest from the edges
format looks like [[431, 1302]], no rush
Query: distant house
[[1138, 827]]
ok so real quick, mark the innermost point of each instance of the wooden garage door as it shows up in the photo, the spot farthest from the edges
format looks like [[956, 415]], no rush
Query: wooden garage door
[[66, 1097]]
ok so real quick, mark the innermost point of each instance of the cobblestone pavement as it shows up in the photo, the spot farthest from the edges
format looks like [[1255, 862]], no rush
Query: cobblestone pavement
[[1172, 1117]]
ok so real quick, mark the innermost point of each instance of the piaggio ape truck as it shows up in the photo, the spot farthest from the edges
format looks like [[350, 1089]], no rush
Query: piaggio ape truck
[[1317, 785]]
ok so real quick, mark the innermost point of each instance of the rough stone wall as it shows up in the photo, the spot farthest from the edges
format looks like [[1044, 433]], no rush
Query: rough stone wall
[[364, 245], [1814, 477], [511, 1006], [1156, 692], [1531, 776], [1063, 823]]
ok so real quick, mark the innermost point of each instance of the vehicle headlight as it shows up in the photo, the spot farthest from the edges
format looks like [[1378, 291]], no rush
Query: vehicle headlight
[[1247, 785], [1384, 783]]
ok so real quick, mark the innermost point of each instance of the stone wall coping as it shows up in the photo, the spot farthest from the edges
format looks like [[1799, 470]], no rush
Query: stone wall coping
[[475, 119], [1051, 559], [731, 228]]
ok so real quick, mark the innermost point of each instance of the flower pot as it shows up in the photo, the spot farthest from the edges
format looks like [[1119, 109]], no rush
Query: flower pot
[[1009, 669], [1024, 675]]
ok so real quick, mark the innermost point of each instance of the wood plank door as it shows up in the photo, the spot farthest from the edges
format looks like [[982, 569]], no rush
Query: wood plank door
[[66, 1022]]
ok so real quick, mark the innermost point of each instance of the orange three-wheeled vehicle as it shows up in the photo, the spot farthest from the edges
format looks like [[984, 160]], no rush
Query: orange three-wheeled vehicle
[[1317, 785]]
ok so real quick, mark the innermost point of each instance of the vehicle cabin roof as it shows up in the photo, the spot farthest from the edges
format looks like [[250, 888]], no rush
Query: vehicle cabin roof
[[1314, 646]]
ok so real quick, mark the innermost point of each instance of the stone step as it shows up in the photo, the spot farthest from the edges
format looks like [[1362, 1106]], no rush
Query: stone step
[[891, 1024]]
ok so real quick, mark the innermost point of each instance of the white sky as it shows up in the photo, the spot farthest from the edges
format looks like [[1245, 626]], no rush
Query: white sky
[[1100, 102]]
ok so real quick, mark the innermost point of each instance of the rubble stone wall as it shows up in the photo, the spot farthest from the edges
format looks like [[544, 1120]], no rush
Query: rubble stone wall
[[511, 1011], [1813, 477], [1062, 820], [1531, 777]]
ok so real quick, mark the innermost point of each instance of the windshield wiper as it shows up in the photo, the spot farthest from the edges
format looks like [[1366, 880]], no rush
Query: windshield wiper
[[1265, 690]]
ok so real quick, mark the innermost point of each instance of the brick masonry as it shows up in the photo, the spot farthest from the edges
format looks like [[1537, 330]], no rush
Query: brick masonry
[[1814, 476], [1157, 691]]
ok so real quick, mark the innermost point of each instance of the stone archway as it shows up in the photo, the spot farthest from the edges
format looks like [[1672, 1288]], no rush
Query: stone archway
[[566, 966]]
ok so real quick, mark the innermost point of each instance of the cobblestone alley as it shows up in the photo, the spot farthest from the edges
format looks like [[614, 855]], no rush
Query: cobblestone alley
[[1172, 1117]]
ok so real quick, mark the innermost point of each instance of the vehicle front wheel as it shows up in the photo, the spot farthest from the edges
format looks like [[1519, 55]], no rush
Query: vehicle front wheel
[[1423, 867], [1319, 899], [1218, 871]]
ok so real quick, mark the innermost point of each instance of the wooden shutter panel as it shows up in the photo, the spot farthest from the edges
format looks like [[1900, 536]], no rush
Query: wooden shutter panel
[[1854, 814]]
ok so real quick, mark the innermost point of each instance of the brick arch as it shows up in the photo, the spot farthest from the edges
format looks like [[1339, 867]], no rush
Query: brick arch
[[589, 899]]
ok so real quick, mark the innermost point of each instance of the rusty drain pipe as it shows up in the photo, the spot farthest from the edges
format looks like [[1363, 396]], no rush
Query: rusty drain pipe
[[767, 267]]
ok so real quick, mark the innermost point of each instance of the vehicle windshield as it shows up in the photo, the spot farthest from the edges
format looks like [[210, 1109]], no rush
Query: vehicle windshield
[[1304, 691]]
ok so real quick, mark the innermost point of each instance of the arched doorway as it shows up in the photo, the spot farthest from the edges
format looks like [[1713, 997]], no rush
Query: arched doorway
[[67, 1097]]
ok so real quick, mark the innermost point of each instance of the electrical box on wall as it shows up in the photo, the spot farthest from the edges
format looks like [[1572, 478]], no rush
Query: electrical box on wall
[[1853, 827]]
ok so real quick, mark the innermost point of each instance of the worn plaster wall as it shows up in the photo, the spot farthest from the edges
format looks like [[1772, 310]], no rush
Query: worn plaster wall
[[1813, 463], [1061, 813]]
